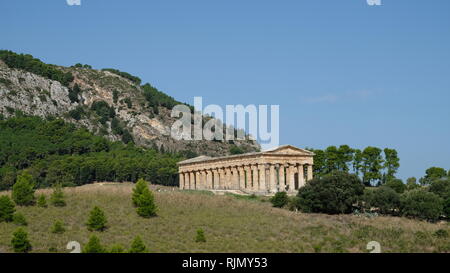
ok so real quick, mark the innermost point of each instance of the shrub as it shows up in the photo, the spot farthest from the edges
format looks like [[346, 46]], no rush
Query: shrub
[[19, 219], [279, 200], [440, 187], [397, 185], [117, 249], [97, 220], [58, 227], [23, 190], [200, 238], [57, 197], [139, 188], [447, 207], [334, 193], [6, 209], [421, 204], [42, 201], [94, 246], [20, 242], [137, 246], [441, 233], [146, 205], [386, 199]]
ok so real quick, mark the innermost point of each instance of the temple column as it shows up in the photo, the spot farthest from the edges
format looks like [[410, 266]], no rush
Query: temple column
[[221, 179], [262, 178], [310, 172], [208, 179], [248, 177], [198, 180], [227, 178], [272, 179], [234, 178], [203, 179], [215, 179], [282, 178], [241, 182], [181, 180], [186, 180], [301, 175], [291, 178], [191, 180], [255, 185]]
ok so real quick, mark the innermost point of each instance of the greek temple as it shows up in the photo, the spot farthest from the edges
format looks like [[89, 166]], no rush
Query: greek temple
[[285, 168]]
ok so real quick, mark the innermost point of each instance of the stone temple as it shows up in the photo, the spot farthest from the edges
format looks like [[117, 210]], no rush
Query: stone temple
[[285, 168]]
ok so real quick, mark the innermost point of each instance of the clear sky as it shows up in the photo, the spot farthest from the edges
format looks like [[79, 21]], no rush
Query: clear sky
[[343, 72]]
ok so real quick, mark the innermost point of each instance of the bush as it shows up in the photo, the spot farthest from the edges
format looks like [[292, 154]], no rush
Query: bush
[[19, 219], [441, 233], [397, 185], [440, 187], [421, 204], [279, 200], [117, 249], [94, 246], [97, 220], [6, 209], [42, 201], [23, 190], [57, 197], [146, 205], [384, 198], [447, 207], [139, 188], [58, 227], [137, 246], [334, 193], [20, 242], [200, 238]]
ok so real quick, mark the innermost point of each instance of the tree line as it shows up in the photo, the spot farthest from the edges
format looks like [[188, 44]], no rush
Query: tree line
[[54, 151]]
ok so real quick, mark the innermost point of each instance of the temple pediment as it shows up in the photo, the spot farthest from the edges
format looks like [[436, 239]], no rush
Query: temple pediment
[[288, 150]]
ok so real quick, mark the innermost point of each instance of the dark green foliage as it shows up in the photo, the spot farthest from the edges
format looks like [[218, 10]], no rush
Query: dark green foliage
[[333, 194], [157, 98], [23, 190], [20, 242], [143, 199], [411, 184], [441, 187], [6, 209], [128, 102], [235, 150], [200, 237], [397, 185], [97, 220], [116, 128], [77, 113], [279, 200], [78, 65], [115, 96], [138, 246], [103, 110], [433, 174], [57, 197], [19, 219], [441, 233], [125, 75], [126, 137], [74, 92], [28, 63], [384, 198], [94, 246], [58, 227], [42, 201], [57, 152], [139, 188], [421, 204], [447, 207]]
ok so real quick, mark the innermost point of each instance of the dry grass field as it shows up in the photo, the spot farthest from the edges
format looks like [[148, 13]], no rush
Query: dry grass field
[[231, 225]]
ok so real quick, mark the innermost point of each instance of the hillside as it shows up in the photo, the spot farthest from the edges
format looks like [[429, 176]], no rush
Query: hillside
[[231, 224], [107, 102]]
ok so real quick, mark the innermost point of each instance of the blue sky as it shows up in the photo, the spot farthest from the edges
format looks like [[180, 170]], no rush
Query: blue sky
[[343, 72]]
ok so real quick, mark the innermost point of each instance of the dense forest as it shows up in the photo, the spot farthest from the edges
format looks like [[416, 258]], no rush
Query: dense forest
[[54, 151]]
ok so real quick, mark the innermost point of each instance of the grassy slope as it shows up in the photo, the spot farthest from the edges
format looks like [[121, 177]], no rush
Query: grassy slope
[[230, 224]]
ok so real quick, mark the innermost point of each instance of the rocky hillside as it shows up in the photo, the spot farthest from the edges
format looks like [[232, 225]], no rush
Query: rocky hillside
[[107, 102]]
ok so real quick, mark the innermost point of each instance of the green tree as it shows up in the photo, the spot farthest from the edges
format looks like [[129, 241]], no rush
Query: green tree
[[94, 246], [138, 246], [23, 190], [57, 197], [140, 186], [333, 194], [384, 198], [357, 161], [397, 185], [200, 237], [432, 174], [20, 242], [391, 163], [146, 206], [440, 187], [58, 227], [97, 220], [411, 183], [279, 200], [6, 209], [421, 204], [345, 157], [42, 201], [372, 163]]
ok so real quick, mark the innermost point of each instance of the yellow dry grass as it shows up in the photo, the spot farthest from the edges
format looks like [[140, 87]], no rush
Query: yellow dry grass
[[231, 225]]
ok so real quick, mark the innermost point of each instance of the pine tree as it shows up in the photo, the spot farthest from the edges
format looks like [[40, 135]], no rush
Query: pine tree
[[141, 186], [20, 242], [94, 246], [200, 238], [97, 220], [6, 209], [146, 204], [137, 246], [42, 201], [57, 197], [23, 190], [58, 227]]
